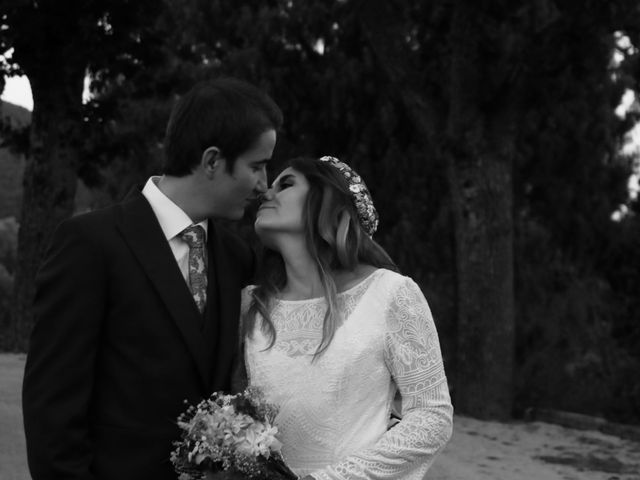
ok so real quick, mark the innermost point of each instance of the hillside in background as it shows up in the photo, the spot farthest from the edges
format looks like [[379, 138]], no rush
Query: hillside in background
[[11, 164], [20, 115]]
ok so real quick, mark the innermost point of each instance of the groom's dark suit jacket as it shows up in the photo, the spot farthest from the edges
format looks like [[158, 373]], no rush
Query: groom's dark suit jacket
[[119, 344]]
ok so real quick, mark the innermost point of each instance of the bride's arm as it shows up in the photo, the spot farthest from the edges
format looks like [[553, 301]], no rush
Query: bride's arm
[[413, 357]]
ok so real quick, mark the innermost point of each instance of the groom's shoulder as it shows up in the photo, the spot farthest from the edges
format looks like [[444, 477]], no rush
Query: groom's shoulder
[[101, 217], [106, 216], [95, 226]]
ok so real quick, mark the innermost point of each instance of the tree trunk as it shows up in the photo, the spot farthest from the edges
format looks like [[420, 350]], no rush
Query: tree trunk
[[482, 201], [49, 185], [480, 159], [477, 144]]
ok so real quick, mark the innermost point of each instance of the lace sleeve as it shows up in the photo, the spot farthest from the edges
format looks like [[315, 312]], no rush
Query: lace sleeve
[[412, 355]]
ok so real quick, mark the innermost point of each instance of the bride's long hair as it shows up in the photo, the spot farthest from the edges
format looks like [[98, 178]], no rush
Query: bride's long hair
[[335, 239]]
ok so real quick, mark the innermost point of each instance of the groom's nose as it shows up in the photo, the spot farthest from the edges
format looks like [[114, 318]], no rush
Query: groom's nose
[[261, 185]]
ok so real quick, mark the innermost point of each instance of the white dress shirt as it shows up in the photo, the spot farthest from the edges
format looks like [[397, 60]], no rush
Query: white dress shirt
[[172, 220]]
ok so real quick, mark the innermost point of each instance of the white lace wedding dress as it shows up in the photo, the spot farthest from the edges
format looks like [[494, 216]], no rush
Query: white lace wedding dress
[[334, 411]]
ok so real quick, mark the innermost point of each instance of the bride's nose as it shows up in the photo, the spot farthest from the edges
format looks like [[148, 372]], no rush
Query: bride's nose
[[266, 196]]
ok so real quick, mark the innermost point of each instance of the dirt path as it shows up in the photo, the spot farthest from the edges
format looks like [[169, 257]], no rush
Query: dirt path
[[534, 451], [13, 463], [478, 450]]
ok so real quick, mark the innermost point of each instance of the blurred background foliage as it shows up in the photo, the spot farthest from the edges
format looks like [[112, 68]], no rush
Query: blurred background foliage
[[576, 278]]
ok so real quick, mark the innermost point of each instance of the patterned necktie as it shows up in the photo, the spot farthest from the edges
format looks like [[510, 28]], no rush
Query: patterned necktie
[[194, 237]]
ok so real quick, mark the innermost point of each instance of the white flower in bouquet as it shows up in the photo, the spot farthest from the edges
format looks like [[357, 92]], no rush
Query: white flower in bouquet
[[258, 439]]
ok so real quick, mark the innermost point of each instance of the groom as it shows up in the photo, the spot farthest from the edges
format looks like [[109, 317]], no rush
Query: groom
[[137, 305]]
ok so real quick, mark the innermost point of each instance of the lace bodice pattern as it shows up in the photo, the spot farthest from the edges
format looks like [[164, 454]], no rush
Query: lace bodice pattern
[[334, 411]]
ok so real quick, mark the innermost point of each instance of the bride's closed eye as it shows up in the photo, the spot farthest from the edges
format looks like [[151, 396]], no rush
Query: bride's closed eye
[[284, 182]]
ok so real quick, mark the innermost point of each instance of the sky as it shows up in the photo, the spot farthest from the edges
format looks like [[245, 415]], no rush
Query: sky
[[18, 91]]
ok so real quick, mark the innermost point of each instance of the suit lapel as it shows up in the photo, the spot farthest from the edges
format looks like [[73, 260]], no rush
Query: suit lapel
[[228, 306], [226, 277], [142, 232]]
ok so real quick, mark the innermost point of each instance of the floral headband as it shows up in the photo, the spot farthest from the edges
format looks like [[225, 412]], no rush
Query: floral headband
[[367, 213]]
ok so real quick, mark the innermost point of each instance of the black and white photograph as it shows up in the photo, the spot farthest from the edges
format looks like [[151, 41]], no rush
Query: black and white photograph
[[319, 240]]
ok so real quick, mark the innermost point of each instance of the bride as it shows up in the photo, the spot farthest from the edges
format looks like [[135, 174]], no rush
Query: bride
[[332, 332]]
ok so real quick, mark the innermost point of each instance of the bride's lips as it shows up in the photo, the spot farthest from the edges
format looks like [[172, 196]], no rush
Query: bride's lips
[[264, 206]]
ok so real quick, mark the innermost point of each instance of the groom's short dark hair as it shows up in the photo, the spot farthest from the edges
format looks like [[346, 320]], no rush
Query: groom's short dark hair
[[226, 113]]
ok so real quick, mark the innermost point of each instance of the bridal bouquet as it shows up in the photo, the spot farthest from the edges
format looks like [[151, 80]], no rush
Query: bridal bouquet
[[230, 433]]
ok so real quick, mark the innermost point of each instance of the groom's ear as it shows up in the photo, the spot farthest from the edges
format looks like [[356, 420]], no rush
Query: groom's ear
[[212, 161]]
